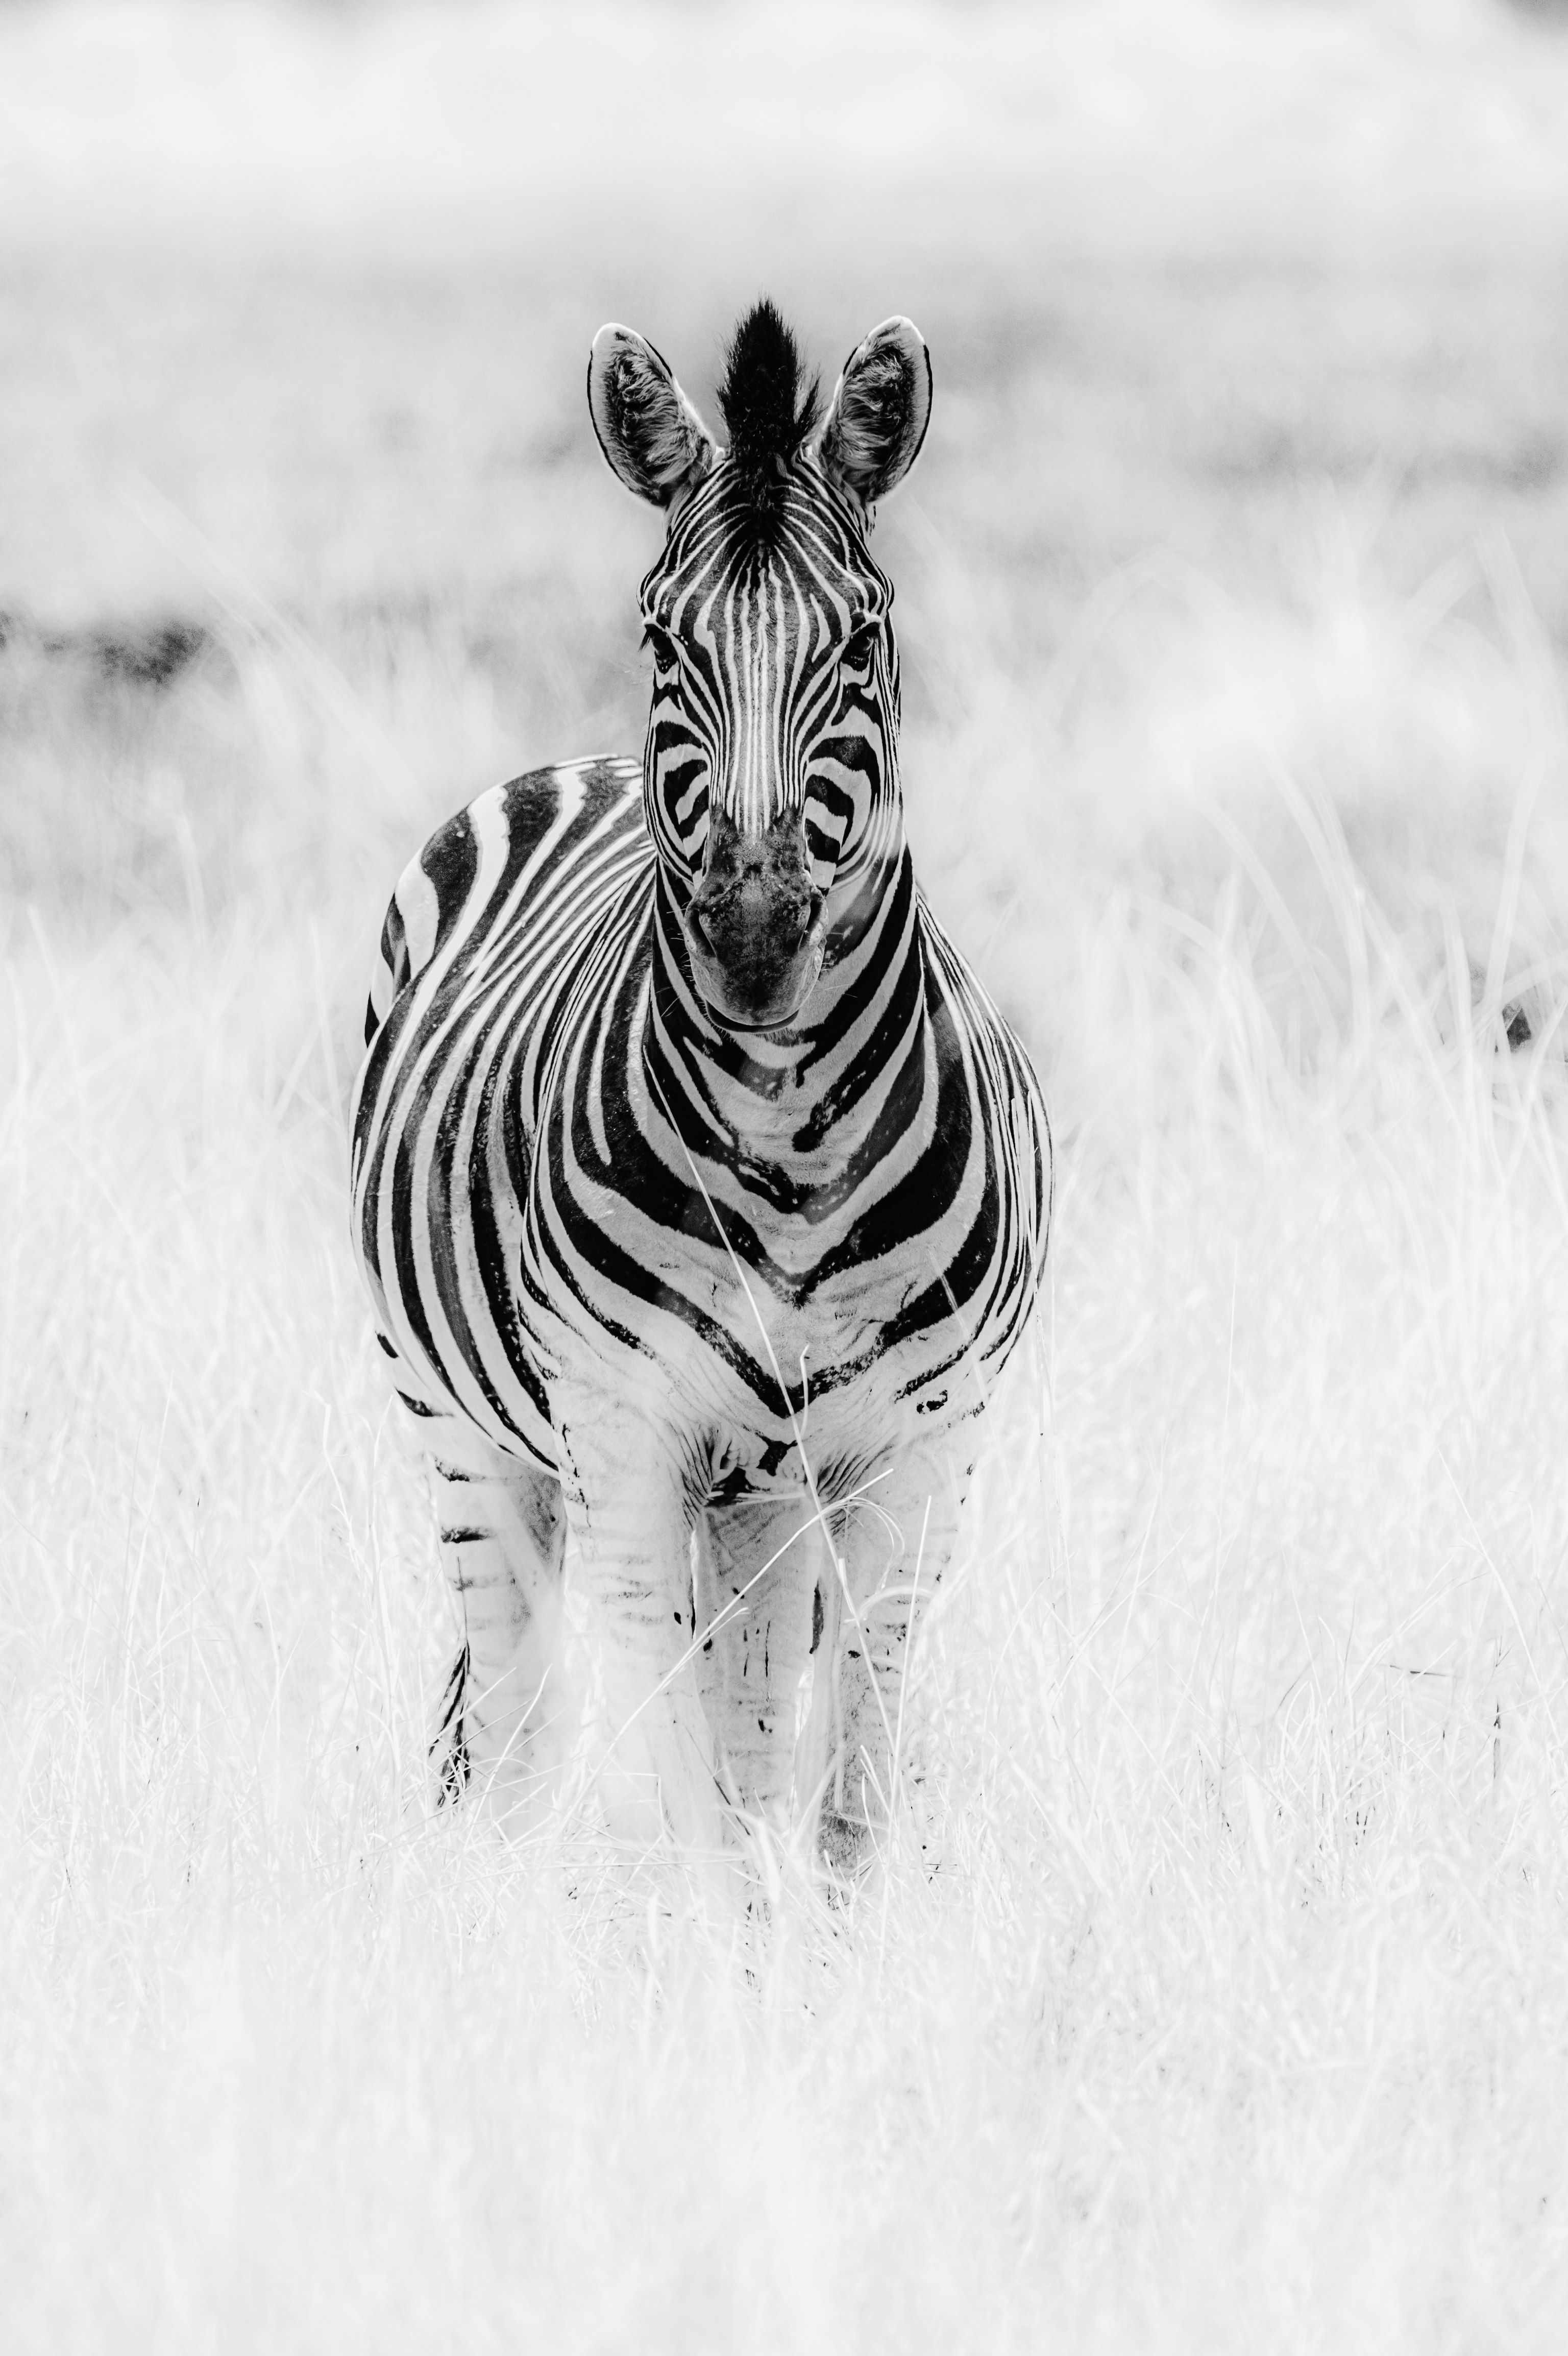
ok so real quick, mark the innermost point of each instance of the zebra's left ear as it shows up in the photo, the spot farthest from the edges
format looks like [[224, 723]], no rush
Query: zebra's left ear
[[648, 429], [881, 409]]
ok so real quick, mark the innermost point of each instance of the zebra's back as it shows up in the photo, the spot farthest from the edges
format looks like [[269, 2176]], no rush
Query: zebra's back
[[484, 945]]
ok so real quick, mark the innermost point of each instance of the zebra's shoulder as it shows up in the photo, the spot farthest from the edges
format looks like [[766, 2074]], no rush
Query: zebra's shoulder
[[484, 848]]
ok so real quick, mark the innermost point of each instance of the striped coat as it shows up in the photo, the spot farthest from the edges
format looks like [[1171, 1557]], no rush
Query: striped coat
[[720, 1293]]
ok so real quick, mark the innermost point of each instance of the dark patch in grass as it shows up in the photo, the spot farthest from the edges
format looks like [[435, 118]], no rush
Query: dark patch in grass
[[147, 655], [147, 658]]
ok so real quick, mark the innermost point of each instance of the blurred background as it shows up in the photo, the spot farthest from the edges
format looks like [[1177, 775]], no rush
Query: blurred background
[[1247, 480]]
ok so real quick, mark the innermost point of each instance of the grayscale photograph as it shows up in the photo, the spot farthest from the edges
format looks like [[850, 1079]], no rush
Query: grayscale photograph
[[784, 1177]]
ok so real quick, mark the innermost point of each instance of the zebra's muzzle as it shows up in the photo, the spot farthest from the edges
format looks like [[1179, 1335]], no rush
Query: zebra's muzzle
[[755, 925]]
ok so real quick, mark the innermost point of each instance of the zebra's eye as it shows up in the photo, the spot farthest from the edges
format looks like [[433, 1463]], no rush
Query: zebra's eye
[[859, 648], [663, 645]]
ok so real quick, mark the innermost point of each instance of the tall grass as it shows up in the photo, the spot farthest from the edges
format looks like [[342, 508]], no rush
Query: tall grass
[[1212, 1995]]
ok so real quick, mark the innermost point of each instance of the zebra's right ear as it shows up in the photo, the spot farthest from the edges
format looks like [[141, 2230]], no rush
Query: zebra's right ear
[[648, 429]]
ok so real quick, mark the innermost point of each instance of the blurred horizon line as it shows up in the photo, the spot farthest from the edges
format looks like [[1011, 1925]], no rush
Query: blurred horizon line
[[366, 124]]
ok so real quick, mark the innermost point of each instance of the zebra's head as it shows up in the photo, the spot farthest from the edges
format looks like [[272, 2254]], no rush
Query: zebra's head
[[771, 771]]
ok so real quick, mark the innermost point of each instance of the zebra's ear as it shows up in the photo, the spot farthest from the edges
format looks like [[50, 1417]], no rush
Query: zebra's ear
[[648, 429], [881, 407]]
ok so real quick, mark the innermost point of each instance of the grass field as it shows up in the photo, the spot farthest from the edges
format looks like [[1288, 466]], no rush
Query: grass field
[[1215, 1994]]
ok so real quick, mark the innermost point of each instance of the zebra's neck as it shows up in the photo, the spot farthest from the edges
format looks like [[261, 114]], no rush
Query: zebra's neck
[[802, 1099]]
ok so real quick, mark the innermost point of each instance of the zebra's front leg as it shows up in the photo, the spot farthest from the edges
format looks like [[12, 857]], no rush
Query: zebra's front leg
[[758, 1566], [893, 1549], [631, 1522], [506, 1720]]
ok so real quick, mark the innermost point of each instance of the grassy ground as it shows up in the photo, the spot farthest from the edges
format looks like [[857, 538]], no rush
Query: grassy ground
[[1225, 2005]]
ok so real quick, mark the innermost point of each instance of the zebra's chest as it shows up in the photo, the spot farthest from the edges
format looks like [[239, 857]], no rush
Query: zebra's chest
[[721, 1303], [751, 1283], [718, 1255]]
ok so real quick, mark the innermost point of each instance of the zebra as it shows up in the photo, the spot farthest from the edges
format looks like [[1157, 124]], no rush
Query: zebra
[[700, 1192]]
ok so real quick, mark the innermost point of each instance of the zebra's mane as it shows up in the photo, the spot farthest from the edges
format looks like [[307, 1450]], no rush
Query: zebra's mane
[[767, 411]]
